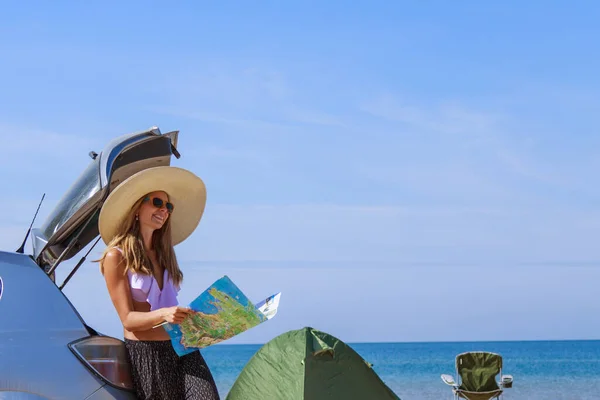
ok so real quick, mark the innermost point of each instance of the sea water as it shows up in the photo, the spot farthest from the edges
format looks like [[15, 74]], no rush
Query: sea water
[[543, 370]]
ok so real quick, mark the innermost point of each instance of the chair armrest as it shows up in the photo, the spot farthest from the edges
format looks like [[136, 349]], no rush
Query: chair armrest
[[448, 380], [507, 381]]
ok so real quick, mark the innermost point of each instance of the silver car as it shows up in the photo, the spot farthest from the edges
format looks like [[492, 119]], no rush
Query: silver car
[[47, 351]]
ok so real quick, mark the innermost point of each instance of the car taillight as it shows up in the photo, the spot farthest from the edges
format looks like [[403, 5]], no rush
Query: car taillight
[[106, 357]]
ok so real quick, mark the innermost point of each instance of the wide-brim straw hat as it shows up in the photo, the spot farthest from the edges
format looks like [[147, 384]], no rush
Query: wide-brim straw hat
[[186, 191]]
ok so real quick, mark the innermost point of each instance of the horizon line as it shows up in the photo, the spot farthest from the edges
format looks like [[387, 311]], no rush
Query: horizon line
[[428, 342]]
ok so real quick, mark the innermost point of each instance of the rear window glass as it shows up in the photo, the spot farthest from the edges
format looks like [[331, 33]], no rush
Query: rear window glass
[[78, 194]]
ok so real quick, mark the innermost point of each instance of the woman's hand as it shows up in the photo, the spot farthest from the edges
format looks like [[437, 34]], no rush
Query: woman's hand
[[176, 314]]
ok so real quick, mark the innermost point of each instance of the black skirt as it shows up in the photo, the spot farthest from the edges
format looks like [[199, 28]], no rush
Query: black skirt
[[159, 373]]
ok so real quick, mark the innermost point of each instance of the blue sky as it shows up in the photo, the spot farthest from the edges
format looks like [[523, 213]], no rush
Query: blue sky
[[371, 161]]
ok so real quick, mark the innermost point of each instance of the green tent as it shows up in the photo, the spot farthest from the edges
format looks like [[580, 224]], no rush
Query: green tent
[[308, 364]]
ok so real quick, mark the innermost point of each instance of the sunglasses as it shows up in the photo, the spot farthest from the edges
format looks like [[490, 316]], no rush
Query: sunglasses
[[158, 203]]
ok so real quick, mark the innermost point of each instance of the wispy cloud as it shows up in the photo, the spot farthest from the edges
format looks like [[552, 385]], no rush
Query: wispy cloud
[[464, 150], [230, 154], [525, 168], [392, 234], [227, 118], [304, 116], [258, 96], [224, 86], [450, 117], [26, 142]]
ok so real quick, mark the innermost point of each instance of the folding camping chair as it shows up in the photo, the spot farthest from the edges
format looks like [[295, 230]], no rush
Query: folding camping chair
[[476, 372]]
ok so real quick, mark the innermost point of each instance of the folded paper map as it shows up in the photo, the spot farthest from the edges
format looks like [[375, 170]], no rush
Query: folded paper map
[[220, 312]]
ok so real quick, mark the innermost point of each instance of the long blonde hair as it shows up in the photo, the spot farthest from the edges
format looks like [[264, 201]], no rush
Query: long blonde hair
[[129, 239]]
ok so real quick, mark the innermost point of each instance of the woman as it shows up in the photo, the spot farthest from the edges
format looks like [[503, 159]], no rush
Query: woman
[[140, 222]]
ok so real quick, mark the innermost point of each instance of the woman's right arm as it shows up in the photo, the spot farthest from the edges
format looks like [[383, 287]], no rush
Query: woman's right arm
[[119, 291]]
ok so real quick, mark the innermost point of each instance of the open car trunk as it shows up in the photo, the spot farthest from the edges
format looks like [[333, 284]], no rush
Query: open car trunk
[[73, 223]]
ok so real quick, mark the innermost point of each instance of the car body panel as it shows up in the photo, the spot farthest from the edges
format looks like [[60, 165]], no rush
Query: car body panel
[[36, 326], [38, 322], [17, 395], [31, 303]]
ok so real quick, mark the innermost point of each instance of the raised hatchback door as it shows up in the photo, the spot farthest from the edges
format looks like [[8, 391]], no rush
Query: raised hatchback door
[[74, 221]]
